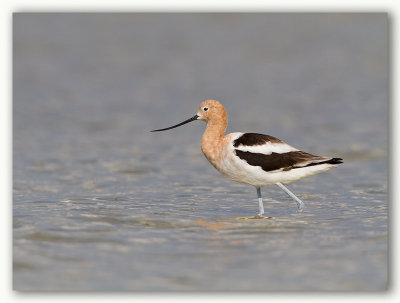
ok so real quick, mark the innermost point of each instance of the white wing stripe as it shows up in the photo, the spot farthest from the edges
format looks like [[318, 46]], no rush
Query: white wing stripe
[[268, 148]]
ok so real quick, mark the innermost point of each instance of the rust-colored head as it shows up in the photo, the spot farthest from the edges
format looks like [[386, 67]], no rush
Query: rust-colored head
[[211, 110]]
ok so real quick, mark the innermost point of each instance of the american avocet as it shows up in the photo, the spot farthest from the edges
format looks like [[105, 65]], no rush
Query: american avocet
[[251, 158]]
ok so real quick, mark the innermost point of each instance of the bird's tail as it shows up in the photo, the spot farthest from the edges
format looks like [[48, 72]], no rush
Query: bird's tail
[[334, 161]]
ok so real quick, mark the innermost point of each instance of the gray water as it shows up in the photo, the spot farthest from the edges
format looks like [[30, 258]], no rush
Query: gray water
[[100, 203]]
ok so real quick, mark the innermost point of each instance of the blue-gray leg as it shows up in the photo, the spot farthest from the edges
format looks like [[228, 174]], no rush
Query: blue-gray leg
[[300, 204], [260, 202]]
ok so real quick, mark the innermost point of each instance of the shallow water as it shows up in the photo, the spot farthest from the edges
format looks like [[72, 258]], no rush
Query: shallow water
[[100, 203]]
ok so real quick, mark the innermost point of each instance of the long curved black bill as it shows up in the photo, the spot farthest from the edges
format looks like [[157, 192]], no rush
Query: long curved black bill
[[184, 122]]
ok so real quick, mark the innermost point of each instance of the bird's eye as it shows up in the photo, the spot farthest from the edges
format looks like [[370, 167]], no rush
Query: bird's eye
[[205, 109]]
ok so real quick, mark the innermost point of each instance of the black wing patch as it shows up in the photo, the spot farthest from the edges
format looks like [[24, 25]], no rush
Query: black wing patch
[[250, 139], [285, 161], [330, 161]]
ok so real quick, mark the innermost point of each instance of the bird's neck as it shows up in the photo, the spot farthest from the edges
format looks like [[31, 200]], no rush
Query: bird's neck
[[211, 143]]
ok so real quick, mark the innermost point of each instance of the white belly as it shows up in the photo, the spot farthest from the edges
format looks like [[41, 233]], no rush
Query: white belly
[[238, 170]]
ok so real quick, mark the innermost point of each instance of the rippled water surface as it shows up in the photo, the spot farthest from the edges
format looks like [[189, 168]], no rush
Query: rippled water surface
[[100, 203]]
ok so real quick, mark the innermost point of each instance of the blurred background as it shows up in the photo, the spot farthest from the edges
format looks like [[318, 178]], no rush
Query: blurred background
[[100, 203]]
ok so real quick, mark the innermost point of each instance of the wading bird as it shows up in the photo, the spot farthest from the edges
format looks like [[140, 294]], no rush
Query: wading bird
[[251, 158]]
